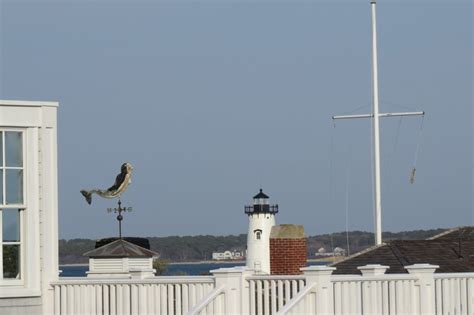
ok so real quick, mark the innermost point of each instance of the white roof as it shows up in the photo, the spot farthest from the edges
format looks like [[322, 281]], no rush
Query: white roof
[[28, 103]]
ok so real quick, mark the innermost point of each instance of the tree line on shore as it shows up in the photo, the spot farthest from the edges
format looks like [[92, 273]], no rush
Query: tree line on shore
[[201, 247]]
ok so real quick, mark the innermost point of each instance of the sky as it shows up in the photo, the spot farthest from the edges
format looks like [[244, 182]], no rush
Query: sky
[[212, 100]]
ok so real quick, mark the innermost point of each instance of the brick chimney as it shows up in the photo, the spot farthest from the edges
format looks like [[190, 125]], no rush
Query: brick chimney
[[288, 251]]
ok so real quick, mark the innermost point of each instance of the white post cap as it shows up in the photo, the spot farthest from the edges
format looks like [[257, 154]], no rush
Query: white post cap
[[421, 268], [373, 270]]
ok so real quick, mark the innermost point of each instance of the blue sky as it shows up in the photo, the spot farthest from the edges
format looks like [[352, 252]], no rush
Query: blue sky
[[211, 100]]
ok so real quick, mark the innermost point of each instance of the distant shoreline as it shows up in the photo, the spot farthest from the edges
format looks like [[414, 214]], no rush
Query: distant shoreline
[[175, 263], [326, 259], [207, 262]]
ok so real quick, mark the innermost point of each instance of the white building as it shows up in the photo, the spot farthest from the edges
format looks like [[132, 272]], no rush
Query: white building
[[121, 259], [339, 251], [28, 206], [261, 219], [227, 255]]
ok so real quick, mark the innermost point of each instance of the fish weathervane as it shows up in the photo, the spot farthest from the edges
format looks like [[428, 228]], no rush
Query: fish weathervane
[[121, 183]]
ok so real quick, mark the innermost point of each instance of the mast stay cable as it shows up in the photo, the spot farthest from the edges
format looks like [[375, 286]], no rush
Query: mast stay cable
[[392, 155], [413, 171], [348, 179], [332, 185]]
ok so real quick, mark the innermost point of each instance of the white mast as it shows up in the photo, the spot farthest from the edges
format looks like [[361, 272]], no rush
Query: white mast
[[376, 117], [375, 100]]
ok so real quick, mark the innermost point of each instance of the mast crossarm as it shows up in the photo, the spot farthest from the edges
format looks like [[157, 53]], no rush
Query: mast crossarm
[[380, 115]]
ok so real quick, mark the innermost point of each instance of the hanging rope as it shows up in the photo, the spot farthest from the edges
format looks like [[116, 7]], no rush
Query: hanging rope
[[332, 186], [394, 104], [413, 171], [357, 108], [348, 179], [331, 166], [391, 156], [372, 167], [395, 145]]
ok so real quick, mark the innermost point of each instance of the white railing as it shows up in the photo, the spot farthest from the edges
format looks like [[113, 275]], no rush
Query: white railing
[[454, 293], [394, 294], [360, 295], [421, 291], [239, 291], [212, 304], [268, 294], [158, 295], [302, 303]]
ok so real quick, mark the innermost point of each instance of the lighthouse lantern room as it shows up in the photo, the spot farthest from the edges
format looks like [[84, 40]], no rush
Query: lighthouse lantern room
[[261, 219]]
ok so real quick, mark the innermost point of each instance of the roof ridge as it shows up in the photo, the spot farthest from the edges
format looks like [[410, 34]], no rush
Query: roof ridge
[[403, 261], [447, 232], [128, 249], [374, 247]]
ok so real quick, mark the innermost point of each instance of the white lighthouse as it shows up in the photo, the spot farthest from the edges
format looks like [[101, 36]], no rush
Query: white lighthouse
[[261, 219]]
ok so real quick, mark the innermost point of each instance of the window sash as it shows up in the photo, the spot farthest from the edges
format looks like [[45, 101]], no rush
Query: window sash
[[20, 207], [11, 281], [4, 168]]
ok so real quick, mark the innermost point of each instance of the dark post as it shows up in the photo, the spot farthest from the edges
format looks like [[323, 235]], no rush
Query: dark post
[[119, 216]]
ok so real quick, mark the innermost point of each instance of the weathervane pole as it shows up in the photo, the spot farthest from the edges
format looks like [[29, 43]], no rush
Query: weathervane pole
[[120, 217], [375, 100], [119, 210]]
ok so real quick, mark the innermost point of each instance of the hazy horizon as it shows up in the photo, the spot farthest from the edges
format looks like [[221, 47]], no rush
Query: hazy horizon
[[245, 233]]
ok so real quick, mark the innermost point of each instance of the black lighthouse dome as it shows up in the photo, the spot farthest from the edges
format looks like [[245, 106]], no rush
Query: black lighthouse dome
[[261, 205], [260, 195]]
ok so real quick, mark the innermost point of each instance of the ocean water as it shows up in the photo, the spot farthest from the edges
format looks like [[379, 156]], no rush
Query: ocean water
[[194, 269], [171, 270]]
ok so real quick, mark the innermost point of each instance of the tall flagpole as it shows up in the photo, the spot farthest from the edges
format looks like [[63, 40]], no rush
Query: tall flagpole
[[375, 100], [375, 115]]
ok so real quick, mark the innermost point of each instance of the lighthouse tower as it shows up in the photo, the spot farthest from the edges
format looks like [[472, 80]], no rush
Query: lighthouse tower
[[261, 219]]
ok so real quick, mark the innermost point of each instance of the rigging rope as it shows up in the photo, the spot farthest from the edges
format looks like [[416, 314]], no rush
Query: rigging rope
[[331, 168], [347, 207], [372, 168], [355, 110], [399, 105], [391, 157], [348, 178], [358, 108], [332, 186], [413, 171]]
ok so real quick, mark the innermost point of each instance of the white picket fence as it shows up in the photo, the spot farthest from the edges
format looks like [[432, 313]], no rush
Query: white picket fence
[[239, 291], [454, 293], [268, 294], [158, 295]]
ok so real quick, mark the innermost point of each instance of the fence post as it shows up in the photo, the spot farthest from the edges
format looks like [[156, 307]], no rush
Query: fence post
[[371, 294], [426, 283], [236, 288], [373, 270], [321, 275]]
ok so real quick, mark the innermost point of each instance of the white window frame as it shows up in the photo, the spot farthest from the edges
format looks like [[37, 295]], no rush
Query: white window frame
[[21, 207], [38, 121]]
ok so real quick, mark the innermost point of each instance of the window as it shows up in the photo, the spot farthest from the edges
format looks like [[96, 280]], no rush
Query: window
[[258, 234], [11, 204]]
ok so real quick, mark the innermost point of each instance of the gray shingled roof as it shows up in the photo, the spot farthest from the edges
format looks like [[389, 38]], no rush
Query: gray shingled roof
[[448, 250], [120, 248]]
